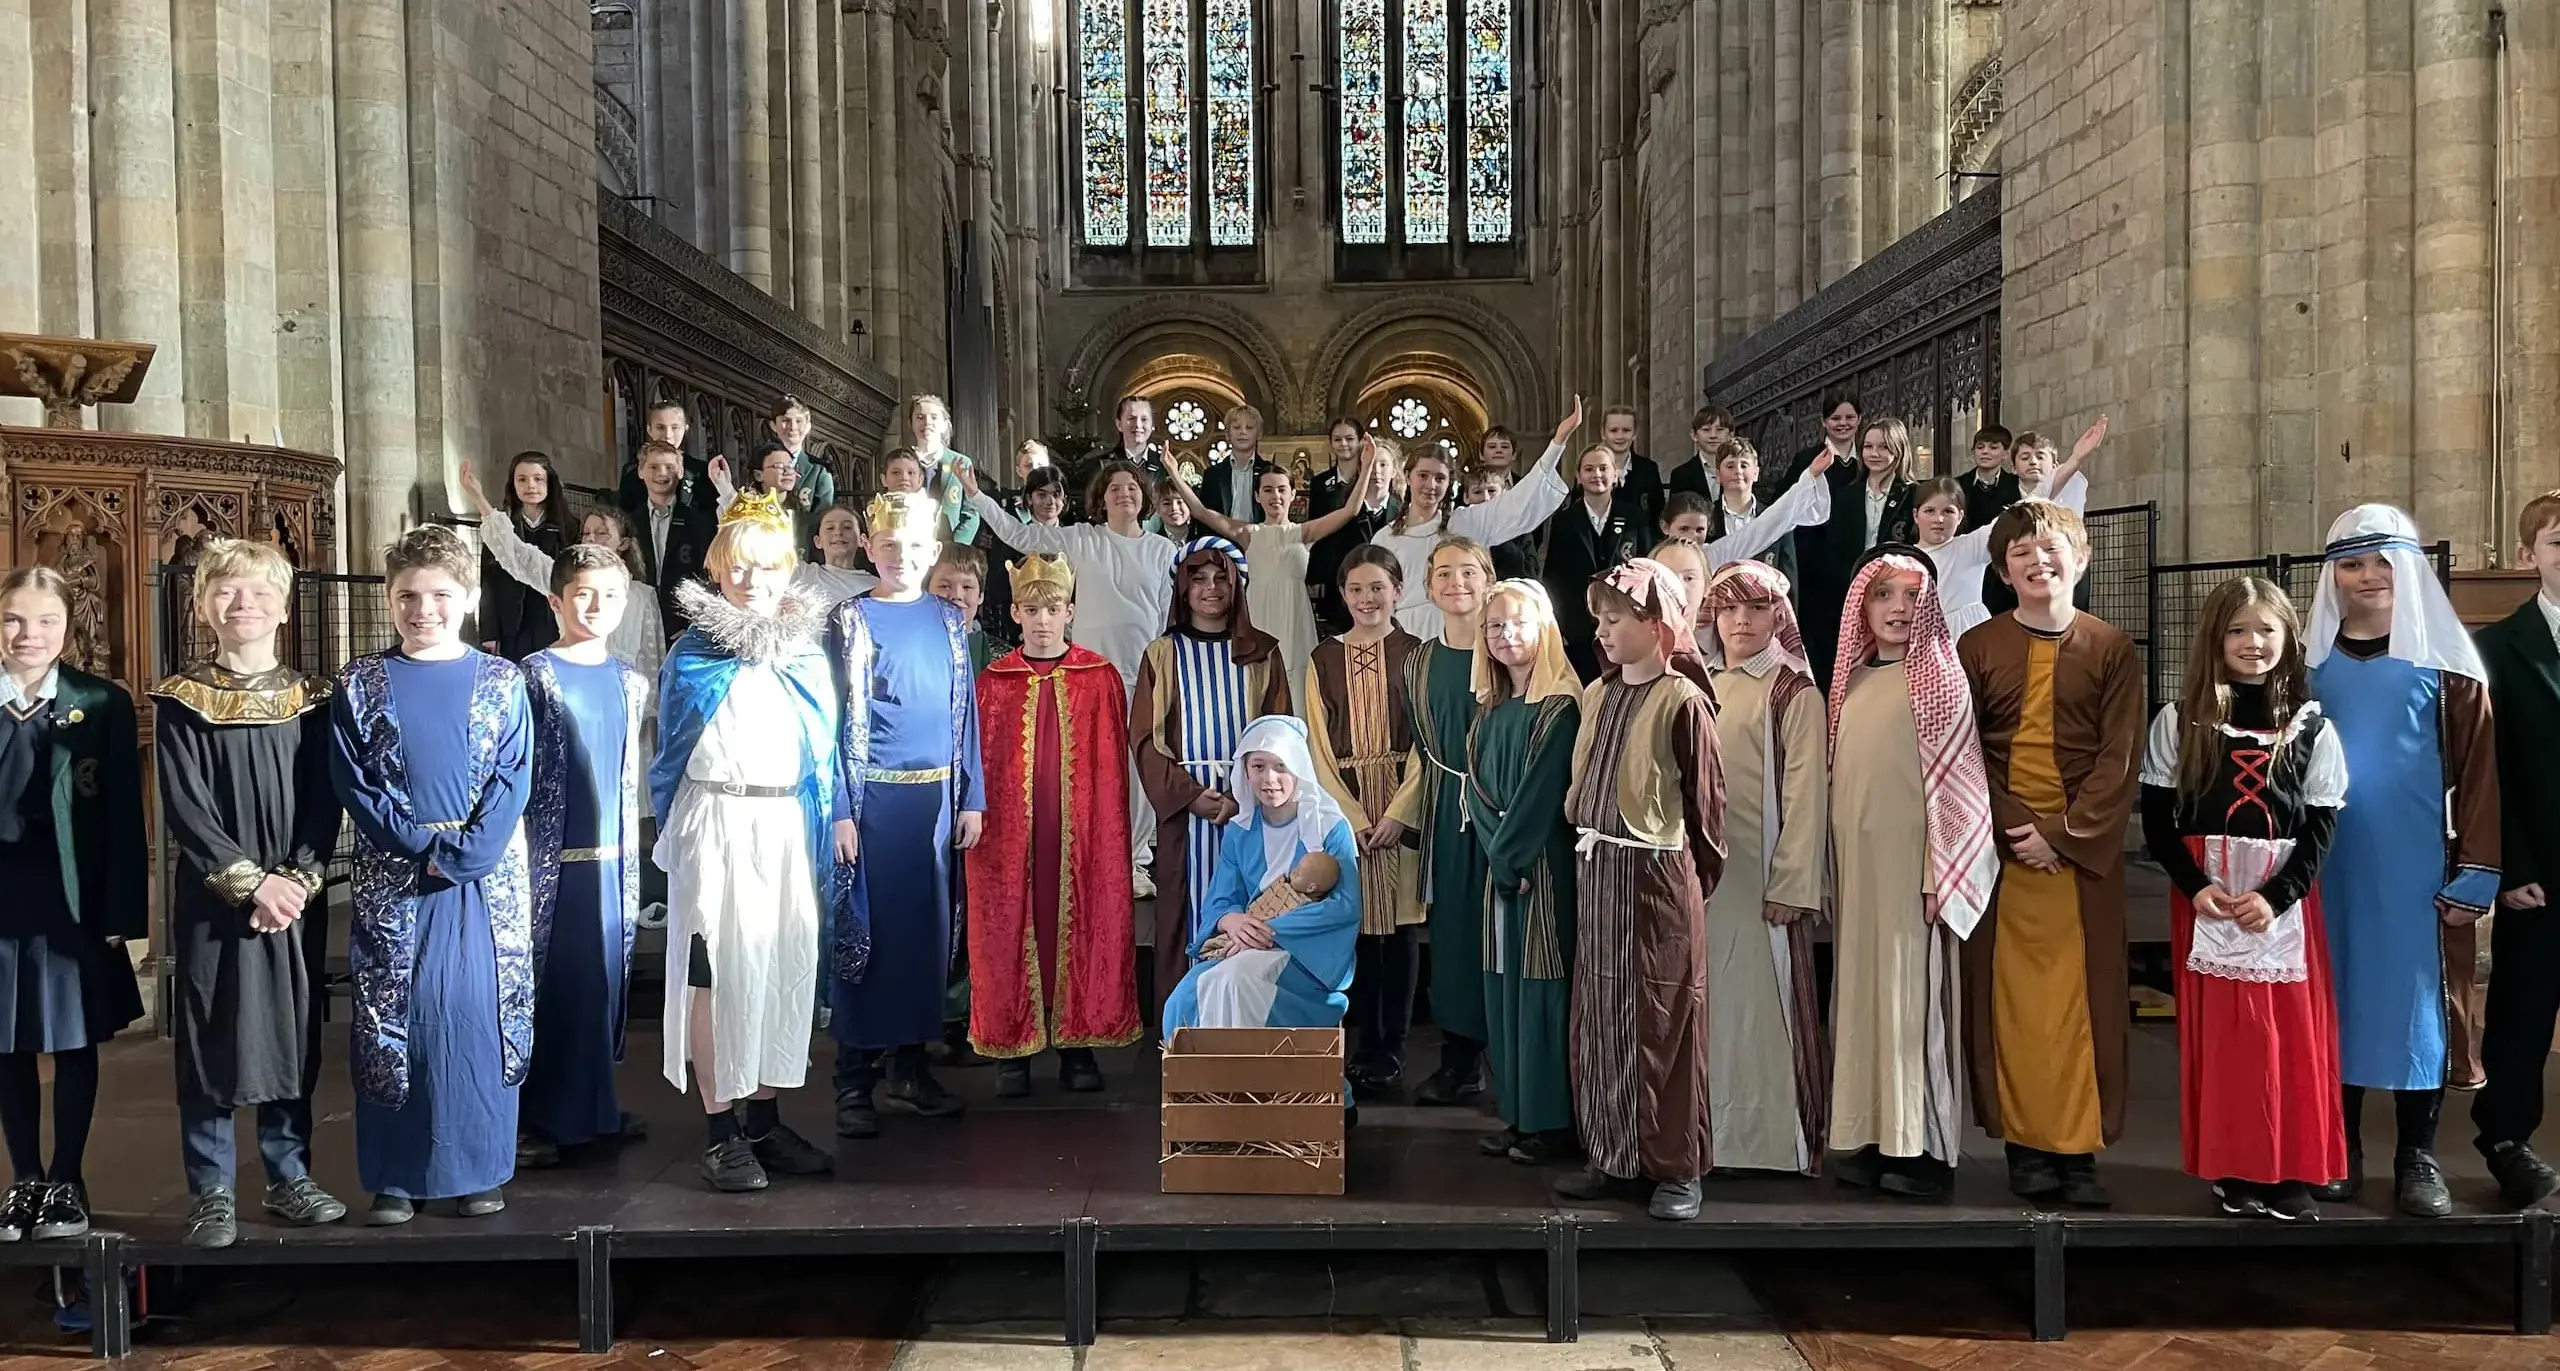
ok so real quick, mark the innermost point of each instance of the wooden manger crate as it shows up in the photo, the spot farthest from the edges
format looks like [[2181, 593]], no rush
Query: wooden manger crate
[[1253, 1111]]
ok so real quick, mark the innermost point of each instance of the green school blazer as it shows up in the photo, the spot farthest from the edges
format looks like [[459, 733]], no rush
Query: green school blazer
[[97, 806]]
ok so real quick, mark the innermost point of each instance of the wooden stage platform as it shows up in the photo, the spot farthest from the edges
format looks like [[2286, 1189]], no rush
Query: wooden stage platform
[[1074, 1176]]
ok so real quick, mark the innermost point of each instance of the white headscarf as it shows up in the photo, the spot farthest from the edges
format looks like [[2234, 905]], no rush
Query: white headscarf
[[1283, 737], [2425, 630]]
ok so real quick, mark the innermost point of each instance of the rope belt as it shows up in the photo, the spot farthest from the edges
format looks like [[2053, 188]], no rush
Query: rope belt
[[740, 790], [1587, 839]]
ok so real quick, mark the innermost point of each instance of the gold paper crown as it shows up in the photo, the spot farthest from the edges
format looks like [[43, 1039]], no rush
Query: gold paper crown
[[1035, 572], [904, 511], [759, 509]]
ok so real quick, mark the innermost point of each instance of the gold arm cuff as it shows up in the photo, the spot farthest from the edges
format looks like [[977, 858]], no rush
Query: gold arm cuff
[[234, 884], [589, 854], [312, 880], [926, 776], [447, 825]]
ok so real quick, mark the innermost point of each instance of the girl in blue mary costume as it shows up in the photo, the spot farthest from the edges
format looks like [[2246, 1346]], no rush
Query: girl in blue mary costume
[[431, 753], [744, 788], [1295, 970]]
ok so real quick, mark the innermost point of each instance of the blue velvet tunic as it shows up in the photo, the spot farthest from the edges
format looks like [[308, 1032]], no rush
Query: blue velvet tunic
[[582, 722]]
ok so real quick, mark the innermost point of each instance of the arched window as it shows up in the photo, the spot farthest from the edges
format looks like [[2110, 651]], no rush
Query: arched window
[[1168, 126], [1425, 138]]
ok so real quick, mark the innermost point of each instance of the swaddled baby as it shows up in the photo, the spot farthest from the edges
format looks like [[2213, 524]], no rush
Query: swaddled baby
[[1310, 880]]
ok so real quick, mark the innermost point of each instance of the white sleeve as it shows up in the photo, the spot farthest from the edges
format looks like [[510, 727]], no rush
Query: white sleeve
[[1037, 539], [2160, 751], [2075, 494], [515, 556], [1806, 502], [2324, 778], [1517, 511], [640, 639]]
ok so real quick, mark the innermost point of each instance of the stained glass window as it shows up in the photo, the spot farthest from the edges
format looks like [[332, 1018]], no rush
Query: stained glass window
[[1364, 121], [1426, 121], [1489, 121], [1409, 418], [1102, 40], [1230, 66], [1168, 67], [1186, 421]]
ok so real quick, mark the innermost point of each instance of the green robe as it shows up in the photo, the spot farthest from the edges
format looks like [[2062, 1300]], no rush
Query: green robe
[[1519, 761], [1442, 705]]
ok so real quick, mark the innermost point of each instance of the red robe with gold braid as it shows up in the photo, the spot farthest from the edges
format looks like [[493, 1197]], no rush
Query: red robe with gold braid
[[1052, 948]]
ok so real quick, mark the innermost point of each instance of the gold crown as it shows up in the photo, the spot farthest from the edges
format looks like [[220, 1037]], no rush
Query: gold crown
[[759, 509], [1035, 571], [904, 511]]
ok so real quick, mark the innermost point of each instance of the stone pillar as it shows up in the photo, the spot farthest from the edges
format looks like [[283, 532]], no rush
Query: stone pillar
[[888, 106], [1841, 99], [1739, 125], [751, 122], [133, 175], [21, 300], [808, 217], [1882, 67], [1613, 242], [1696, 141], [2288, 455], [66, 233], [2364, 241], [853, 87], [306, 248], [226, 217], [780, 114], [1785, 164], [2220, 499], [831, 129], [377, 276], [2453, 365], [2531, 269]]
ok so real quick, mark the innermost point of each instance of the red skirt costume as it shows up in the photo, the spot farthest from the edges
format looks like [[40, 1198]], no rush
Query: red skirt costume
[[2257, 1022]]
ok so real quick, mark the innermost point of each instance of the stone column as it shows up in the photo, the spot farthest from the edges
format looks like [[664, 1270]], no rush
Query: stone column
[[1738, 126], [2220, 498], [2364, 238], [888, 106], [2289, 191], [2531, 269], [21, 299], [831, 162], [226, 217], [134, 180], [808, 217], [66, 233], [1785, 164], [2453, 366], [306, 249], [1612, 242], [1881, 69], [751, 122], [1698, 143], [853, 95], [1842, 100], [377, 279], [780, 117]]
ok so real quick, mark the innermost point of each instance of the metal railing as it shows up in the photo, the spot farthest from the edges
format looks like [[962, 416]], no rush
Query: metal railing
[[2179, 589]]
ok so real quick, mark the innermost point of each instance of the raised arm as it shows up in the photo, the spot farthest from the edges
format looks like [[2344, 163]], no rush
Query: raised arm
[[1806, 503], [514, 556], [1037, 539], [1206, 514], [1325, 525]]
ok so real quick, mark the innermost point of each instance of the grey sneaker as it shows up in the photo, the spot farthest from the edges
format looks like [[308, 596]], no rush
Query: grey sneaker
[[214, 1222], [302, 1203]]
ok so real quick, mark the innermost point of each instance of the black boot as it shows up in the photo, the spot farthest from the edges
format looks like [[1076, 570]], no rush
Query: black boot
[[2033, 1174], [1013, 1079], [1079, 1071]]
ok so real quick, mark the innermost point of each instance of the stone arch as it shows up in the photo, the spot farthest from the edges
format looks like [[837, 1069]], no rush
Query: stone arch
[[1114, 354], [1469, 337]]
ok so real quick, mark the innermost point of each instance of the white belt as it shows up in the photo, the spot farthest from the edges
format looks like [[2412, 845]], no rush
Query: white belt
[[1588, 838]]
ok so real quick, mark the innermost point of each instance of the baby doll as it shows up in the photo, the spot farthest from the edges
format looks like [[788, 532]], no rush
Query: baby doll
[[1310, 880]]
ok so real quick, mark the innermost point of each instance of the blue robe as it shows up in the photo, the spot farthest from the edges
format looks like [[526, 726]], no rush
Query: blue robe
[[2387, 866], [910, 756], [586, 804], [1319, 937], [433, 763]]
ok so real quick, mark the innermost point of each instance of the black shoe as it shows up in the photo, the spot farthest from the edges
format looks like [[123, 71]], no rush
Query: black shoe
[[2344, 1188], [2417, 1185], [480, 1206], [1498, 1144], [2290, 1202], [922, 1095], [1078, 1071], [2523, 1179], [214, 1222], [2033, 1174], [1542, 1149], [1675, 1201], [18, 1209], [2241, 1199], [856, 1116], [535, 1152], [2081, 1188], [65, 1213], [1589, 1183], [389, 1210], [1445, 1088], [631, 1128], [302, 1203], [730, 1166], [1013, 1080], [1375, 1082], [782, 1150], [1863, 1169], [1915, 1178]]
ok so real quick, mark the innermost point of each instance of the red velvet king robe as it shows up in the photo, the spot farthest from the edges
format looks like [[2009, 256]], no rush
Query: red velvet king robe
[[1052, 949]]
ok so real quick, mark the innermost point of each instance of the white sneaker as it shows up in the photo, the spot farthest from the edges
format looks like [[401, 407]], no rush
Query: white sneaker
[[1141, 885]]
